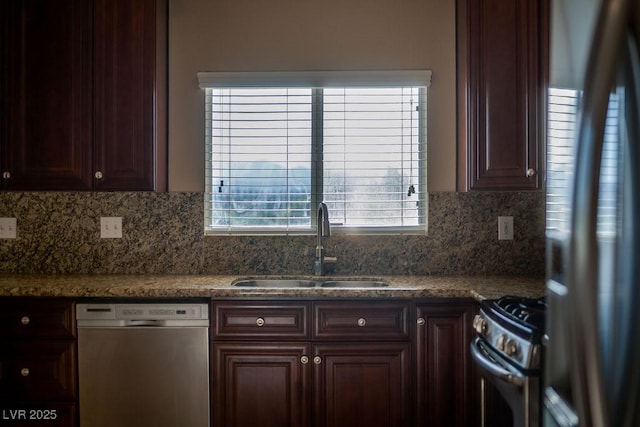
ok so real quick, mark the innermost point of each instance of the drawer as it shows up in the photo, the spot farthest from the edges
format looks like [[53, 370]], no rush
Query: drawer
[[261, 319], [36, 318], [37, 370], [361, 320], [27, 414]]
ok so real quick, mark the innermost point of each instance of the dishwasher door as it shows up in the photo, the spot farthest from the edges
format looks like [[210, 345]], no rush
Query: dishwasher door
[[140, 369]]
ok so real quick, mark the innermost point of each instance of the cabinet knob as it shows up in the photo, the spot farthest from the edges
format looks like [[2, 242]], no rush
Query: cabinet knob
[[24, 372], [260, 321], [317, 360], [420, 321], [98, 175], [304, 360], [362, 321], [25, 320], [6, 175], [531, 172]]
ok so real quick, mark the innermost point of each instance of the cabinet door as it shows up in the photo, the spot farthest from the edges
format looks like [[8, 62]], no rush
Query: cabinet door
[[129, 93], [445, 394], [503, 44], [46, 131], [37, 370], [362, 385], [261, 384]]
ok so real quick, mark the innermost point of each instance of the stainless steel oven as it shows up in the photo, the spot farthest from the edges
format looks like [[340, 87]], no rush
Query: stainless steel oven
[[508, 352]]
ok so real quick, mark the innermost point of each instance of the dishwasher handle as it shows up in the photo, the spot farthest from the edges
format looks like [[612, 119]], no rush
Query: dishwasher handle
[[144, 322]]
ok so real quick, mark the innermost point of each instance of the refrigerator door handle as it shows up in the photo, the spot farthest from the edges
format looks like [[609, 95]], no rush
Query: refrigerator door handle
[[582, 273]]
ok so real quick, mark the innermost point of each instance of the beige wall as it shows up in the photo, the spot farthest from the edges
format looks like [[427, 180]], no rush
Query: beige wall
[[300, 35]]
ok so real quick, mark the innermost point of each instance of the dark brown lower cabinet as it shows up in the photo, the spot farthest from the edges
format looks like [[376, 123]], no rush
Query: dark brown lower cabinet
[[362, 384], [261, 384], [446, 390], [338, 375], [37, 362], [276, 384]]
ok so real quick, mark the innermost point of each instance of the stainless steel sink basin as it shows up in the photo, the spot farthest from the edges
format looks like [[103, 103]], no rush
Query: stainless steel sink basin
[[353, 284], [275, 283], [305, 283]]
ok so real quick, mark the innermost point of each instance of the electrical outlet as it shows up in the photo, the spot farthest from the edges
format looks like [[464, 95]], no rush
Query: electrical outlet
[[111, 227], [505, 228], [8, 228]]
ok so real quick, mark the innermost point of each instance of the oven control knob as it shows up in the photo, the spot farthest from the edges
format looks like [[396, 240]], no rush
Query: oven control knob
[[510, 347], [501, 342], [480, 324]]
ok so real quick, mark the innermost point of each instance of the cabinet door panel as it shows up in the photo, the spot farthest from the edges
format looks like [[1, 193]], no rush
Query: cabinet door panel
[[443, 370], [504, 42], [361, 320], [37, 318], [260, 320], [264, 384], [47, 128], [362, 385], [37, 370], [125, 82]]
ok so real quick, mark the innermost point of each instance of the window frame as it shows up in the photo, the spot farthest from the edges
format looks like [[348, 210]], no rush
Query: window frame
[[319, 81]]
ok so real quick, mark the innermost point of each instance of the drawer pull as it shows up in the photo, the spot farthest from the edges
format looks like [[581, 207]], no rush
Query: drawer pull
[[260, 321], [25, 320], [362, 321], [304, 360], [24, 372], [420, 321]]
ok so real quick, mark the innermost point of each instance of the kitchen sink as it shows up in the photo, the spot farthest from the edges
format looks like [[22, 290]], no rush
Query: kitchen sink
[[275, 283], [353, 284], [302, 283]]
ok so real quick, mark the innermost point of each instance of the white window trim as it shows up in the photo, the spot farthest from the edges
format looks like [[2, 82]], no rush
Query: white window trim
[[397, 78], [318, 79]]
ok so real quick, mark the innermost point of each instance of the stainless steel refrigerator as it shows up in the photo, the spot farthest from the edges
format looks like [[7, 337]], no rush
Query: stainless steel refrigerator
[[592, 357]]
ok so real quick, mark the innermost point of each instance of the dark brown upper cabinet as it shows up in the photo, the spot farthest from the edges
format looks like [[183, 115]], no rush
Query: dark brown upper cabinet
[[502, 69], [85, 85]]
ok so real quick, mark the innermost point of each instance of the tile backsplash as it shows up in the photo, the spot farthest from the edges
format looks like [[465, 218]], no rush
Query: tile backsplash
[[59, 233]]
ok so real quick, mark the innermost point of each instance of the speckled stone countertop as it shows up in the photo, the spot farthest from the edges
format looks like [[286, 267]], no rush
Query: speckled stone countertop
[[218, 286]]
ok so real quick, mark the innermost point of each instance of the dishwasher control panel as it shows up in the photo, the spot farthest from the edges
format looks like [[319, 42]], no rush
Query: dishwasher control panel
[[142, 311]]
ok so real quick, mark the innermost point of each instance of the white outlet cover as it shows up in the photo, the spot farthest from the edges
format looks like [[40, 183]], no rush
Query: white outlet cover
[[111, 227], [8, 228], [505, 228]]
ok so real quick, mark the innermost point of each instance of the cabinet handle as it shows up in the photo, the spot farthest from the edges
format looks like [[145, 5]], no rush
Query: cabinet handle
[[6, 175], [24, 372], [304, 360], [25, 320], [531, 172], [420, 321], [362, 321], [98, 175], [317, 360], [260, 321]]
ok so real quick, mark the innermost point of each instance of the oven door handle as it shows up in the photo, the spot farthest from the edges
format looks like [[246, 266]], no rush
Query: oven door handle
[[488, 362]]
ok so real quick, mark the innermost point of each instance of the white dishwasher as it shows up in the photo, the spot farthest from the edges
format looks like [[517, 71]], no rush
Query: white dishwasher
[[143, 365]]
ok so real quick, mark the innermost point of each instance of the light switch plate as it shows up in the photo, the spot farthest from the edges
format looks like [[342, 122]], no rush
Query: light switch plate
[[505, 228], [111, 227], [8, 228]]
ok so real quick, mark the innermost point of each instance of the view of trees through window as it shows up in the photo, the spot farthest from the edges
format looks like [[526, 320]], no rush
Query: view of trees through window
[[275, 153]]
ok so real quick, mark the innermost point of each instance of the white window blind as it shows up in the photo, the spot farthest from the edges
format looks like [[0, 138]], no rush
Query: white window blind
[[273, 153]]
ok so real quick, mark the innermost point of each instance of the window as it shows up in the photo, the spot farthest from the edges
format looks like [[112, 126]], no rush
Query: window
[[275, 149]]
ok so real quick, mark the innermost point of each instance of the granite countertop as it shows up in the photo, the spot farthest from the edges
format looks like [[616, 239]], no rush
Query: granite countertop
[[212, 286]]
